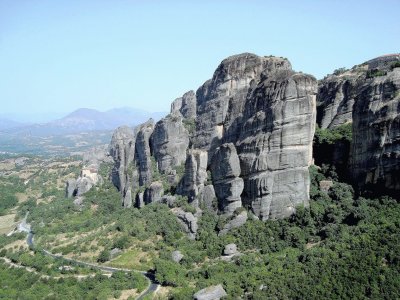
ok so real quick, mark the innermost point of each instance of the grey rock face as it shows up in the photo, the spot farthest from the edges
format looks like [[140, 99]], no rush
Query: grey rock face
[[230, 249], [207, 197], [221, 100], [375, 149], [210, 293], [225, 169], [170, 141], [337, 93], [122, 150], [236, 222], [176, 256], [70, 188], [185, 106], [336, 98], [188, 221], [169, 200], [86, 180], [275, 144], [154, 192], [143, 152], [195, 174]]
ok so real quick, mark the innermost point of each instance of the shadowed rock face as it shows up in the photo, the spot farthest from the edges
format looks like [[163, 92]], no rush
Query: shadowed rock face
[[368, 96], [375, 150]]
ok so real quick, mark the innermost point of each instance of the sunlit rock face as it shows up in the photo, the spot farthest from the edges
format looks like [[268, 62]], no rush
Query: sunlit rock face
[[254, 126]]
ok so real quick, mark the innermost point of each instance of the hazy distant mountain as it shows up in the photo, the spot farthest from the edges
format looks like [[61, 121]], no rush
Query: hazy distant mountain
[[85, 119], [7, 124]]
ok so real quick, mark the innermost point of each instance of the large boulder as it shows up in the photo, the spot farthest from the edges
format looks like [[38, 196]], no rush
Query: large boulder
[[187, 220], [154, 192], [170, 141], [211, 293]]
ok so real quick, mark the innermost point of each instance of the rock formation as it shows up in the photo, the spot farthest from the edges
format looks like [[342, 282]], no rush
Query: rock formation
[[170, 140], [122, 150], [225, 169], [154, 192], [211, 293], [195, 174], [143, 152], [185, 106], [88, 178], [368, 96], [254, 126], [275, 143], [375, 149]]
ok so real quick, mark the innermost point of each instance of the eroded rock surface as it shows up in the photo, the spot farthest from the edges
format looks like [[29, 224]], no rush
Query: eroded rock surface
[[170, 141], [143, 152], [225, 169], [185, 106], [122, 150], [210, 293], [375, 151], [195, 174]]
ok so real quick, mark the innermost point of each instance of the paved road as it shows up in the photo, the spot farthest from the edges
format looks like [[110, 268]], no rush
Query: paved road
[[152, 287]]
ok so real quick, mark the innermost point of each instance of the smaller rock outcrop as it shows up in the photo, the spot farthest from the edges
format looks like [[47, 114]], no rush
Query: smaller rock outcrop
[[208, 199], [176, 256], [211, 293], [87, 179], [236, 222], [188, 221], [230, 249], [154, 192], [185, 106]]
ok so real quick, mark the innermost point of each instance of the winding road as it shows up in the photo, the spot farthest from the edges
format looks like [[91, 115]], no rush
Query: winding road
[[152, 286]]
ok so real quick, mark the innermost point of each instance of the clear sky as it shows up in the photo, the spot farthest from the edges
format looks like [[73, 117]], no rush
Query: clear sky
[[56, 56]]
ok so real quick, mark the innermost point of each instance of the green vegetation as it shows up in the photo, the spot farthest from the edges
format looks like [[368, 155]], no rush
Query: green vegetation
[[340, 247], [21, 284], [190, 125], [9, 186], [340, 71], [375, 73], [331, 136], [395, 65]]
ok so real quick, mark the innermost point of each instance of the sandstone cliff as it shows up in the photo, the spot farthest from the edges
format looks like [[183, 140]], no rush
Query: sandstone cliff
[[253, 126]]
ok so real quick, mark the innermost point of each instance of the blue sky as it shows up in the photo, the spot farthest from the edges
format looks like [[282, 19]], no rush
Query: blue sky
[[56, 56]]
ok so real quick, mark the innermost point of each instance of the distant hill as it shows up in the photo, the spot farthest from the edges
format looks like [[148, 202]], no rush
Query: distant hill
[[83, 120], [7, 124]]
